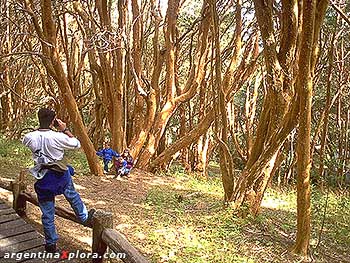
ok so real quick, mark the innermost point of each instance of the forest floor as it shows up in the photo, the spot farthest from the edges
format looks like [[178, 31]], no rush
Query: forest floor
[[179, 217]]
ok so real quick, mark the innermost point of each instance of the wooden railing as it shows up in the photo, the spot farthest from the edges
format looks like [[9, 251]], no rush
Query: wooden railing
[[103, 234]]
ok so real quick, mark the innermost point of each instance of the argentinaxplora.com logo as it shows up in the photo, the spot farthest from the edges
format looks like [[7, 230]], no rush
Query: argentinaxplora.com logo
[[64, 254]]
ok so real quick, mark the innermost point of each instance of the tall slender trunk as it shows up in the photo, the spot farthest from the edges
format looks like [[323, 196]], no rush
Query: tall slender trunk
[[313, 13], [5, 84], [327, 110], [161, 119], [140, 134], [185, 141], [203, 142], [55, 68], [135, 62], [117, 129]]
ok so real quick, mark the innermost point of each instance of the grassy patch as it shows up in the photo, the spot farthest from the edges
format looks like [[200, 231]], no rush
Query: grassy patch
[[191, 227], [78, 160], [13, 157], [333, 212], [186, 222], [189, 223]]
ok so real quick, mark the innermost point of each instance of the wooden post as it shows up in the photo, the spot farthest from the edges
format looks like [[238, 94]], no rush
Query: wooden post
[[101, 220], [119, 244], [19, 202]]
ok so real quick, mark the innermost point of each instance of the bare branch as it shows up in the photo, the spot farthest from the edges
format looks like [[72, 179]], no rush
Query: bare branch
[[340, 12]]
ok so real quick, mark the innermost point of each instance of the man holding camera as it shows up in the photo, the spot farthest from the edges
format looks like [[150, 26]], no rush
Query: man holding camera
[[54, 176]]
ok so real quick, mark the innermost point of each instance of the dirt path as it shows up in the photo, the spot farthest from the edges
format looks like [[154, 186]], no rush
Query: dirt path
[[121, 197]]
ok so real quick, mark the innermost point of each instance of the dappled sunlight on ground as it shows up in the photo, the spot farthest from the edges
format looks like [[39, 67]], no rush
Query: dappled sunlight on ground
[[141, 236], [157, 181], [79, 187], [123, 226], [274, 203], [279, 201], [85, 239], [106, 180], [142, 206], [6, 195], [100, 202]]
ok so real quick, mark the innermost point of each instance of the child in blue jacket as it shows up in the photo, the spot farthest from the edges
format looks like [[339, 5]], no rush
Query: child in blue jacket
[[107, 155]]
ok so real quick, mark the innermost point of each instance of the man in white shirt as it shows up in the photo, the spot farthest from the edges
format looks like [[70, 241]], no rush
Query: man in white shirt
[[53, 176]]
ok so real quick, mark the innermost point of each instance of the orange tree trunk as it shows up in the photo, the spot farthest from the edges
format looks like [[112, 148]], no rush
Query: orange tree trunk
[[118, 117], [55, 68], [140, 133], [171, 99], [307, 60], [184, 141], [281, 105]]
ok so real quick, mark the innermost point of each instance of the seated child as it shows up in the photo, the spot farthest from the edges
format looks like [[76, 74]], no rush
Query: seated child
[[124, 163], [107, 154]]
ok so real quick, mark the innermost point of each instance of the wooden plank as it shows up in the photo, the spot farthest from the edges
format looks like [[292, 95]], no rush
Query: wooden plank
[[19, 203], [119, 244], [12, 224], [16, 231], [7, 218], [10, 241], [23, 246], [7, 211]]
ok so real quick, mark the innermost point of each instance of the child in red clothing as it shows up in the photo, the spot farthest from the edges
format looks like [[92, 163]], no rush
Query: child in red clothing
[[124, 163]]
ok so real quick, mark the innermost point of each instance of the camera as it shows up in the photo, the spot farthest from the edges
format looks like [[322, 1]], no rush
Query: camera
[[56, 124]]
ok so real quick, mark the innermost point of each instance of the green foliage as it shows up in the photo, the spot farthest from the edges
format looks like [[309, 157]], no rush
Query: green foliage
[[13, 157], [332, 210], [78, 160]]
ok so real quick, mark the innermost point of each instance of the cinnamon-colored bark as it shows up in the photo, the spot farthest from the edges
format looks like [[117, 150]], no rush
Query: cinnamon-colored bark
[[55, 68], [312, 20]]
